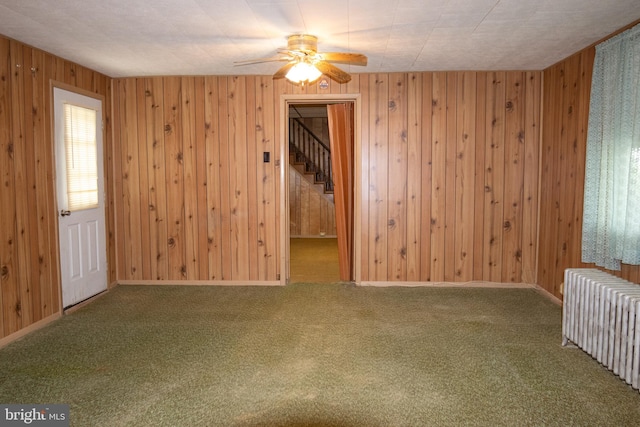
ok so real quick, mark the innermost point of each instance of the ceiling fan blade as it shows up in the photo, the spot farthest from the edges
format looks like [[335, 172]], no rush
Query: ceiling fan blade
[[259, 60], [333, 72], [344, 58], [283, 70]]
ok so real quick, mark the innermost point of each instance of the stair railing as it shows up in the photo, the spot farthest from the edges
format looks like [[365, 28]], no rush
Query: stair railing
[[311, 151]]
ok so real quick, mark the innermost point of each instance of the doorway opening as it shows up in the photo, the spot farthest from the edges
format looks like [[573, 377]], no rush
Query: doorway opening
[[312, 229], [312, 220]]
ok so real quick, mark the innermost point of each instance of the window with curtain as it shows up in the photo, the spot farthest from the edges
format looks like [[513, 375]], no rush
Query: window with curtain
[[611, 218], [81, 157]]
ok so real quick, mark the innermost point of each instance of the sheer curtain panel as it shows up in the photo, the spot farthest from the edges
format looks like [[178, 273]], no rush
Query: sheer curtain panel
[[611, 220]]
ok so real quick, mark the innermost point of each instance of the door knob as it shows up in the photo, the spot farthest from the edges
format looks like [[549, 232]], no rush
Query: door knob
[[65, 213]]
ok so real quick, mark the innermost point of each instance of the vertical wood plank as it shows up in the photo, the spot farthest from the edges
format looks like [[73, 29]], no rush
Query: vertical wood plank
[[494, 176], [42, 234], [31, 219], [531, 176], [108, 89], [426, 166], [143, 176], [450, 178], [414, 177], [294, 204], [266, 196], [190, 178], [154, 108], [224, 173], [479, 176], [378, 176], [201, 179], [580, 154], [174, 159], [397, 184], [238, 178], [69, 74], [301, 214], [438, 175], [322, 217], [213, 163], [131, 183], [47, 212], [365, 164], [19, 155], [118, 139], [465, 176], [314, 218], [514, 179], [252, 178], [305, 196], [545, 183]]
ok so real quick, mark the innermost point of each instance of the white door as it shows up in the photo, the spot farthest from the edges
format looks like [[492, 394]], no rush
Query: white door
[[80, 194]]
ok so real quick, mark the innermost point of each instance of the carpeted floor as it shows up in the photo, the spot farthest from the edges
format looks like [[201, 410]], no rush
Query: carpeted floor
[[314, 355], [314, 260]]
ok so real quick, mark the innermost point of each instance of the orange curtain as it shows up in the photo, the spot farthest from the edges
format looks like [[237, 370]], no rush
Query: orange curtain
[[340, 117]]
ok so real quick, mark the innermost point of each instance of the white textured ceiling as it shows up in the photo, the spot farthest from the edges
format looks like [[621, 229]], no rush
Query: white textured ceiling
[[205, 37]]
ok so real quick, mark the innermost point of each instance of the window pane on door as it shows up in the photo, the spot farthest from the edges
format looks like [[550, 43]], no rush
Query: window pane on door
[[81, 157]]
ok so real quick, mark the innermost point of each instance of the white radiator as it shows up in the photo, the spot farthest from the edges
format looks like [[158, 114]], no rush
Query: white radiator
[[601, 315]]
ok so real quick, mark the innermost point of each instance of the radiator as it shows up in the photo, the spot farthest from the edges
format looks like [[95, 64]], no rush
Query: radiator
[[601, 315]]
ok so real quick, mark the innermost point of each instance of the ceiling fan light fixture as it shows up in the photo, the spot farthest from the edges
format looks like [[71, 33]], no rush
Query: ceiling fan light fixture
[[303, 73], [305, 65]]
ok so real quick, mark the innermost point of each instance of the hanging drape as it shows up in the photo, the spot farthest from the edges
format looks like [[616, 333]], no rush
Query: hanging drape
[[611, 219], [340, 118]]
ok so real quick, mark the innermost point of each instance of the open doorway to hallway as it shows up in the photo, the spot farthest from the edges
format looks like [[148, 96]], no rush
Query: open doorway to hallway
[[312, 222]]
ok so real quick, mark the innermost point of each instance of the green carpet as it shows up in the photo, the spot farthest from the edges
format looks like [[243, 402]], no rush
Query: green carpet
[[314, 355]]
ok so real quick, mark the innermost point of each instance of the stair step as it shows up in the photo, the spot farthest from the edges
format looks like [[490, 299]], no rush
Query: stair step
[[309, 175]]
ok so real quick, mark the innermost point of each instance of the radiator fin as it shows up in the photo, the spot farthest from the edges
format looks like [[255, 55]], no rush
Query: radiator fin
[[601, 315]]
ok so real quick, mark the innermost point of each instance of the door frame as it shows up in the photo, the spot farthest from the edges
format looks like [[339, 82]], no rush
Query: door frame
[[53, 84], [285, 101]]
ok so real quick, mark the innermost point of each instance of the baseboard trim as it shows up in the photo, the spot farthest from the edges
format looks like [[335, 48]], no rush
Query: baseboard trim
[[29, 329], [380, 284], [471, 284], [200, 282], [549, 295], [326, 236]]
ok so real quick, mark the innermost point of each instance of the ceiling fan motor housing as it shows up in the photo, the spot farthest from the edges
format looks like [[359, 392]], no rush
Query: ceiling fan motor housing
[[303, 42]]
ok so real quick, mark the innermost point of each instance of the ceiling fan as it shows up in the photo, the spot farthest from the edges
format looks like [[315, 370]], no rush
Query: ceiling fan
[[305, 64]]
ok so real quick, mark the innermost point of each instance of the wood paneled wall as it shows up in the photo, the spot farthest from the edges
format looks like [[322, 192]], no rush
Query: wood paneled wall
[[29, 272], [451, 176], [311, 213], [194, 199], [449, 181], [567, 88]]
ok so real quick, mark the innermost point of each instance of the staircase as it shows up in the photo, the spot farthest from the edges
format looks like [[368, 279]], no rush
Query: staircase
[[310, 156]]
